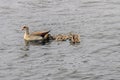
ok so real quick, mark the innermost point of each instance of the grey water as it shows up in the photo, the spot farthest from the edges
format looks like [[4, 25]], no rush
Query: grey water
[[97, 57]]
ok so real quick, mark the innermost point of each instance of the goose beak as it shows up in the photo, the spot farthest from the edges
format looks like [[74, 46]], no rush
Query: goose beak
[[22, 28]]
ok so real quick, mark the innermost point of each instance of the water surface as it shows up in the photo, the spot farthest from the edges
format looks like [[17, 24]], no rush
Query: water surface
[[95, 58]]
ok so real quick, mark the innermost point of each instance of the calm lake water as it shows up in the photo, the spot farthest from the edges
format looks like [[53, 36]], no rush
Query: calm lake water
[[97, 57]]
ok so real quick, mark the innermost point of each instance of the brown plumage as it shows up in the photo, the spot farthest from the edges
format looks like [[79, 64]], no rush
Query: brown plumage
[[74, 38], [33, 36], [61, 37], [40, 33]]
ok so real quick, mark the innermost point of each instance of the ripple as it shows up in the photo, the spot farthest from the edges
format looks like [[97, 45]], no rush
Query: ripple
[[95, 58]]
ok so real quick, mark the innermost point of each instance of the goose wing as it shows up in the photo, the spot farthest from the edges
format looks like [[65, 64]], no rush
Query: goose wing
[[40, 33]]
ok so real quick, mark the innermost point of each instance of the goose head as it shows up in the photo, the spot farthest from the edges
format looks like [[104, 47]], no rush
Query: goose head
[[25, 28]]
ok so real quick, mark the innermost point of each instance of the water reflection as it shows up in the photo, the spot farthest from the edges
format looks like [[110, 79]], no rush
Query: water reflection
[[27, 44], [95, 58]]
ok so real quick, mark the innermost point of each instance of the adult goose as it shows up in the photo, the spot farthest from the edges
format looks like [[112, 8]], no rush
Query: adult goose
[[35, 36]]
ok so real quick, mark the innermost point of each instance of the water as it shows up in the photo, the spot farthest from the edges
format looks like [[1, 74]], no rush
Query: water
[[95, 58]]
